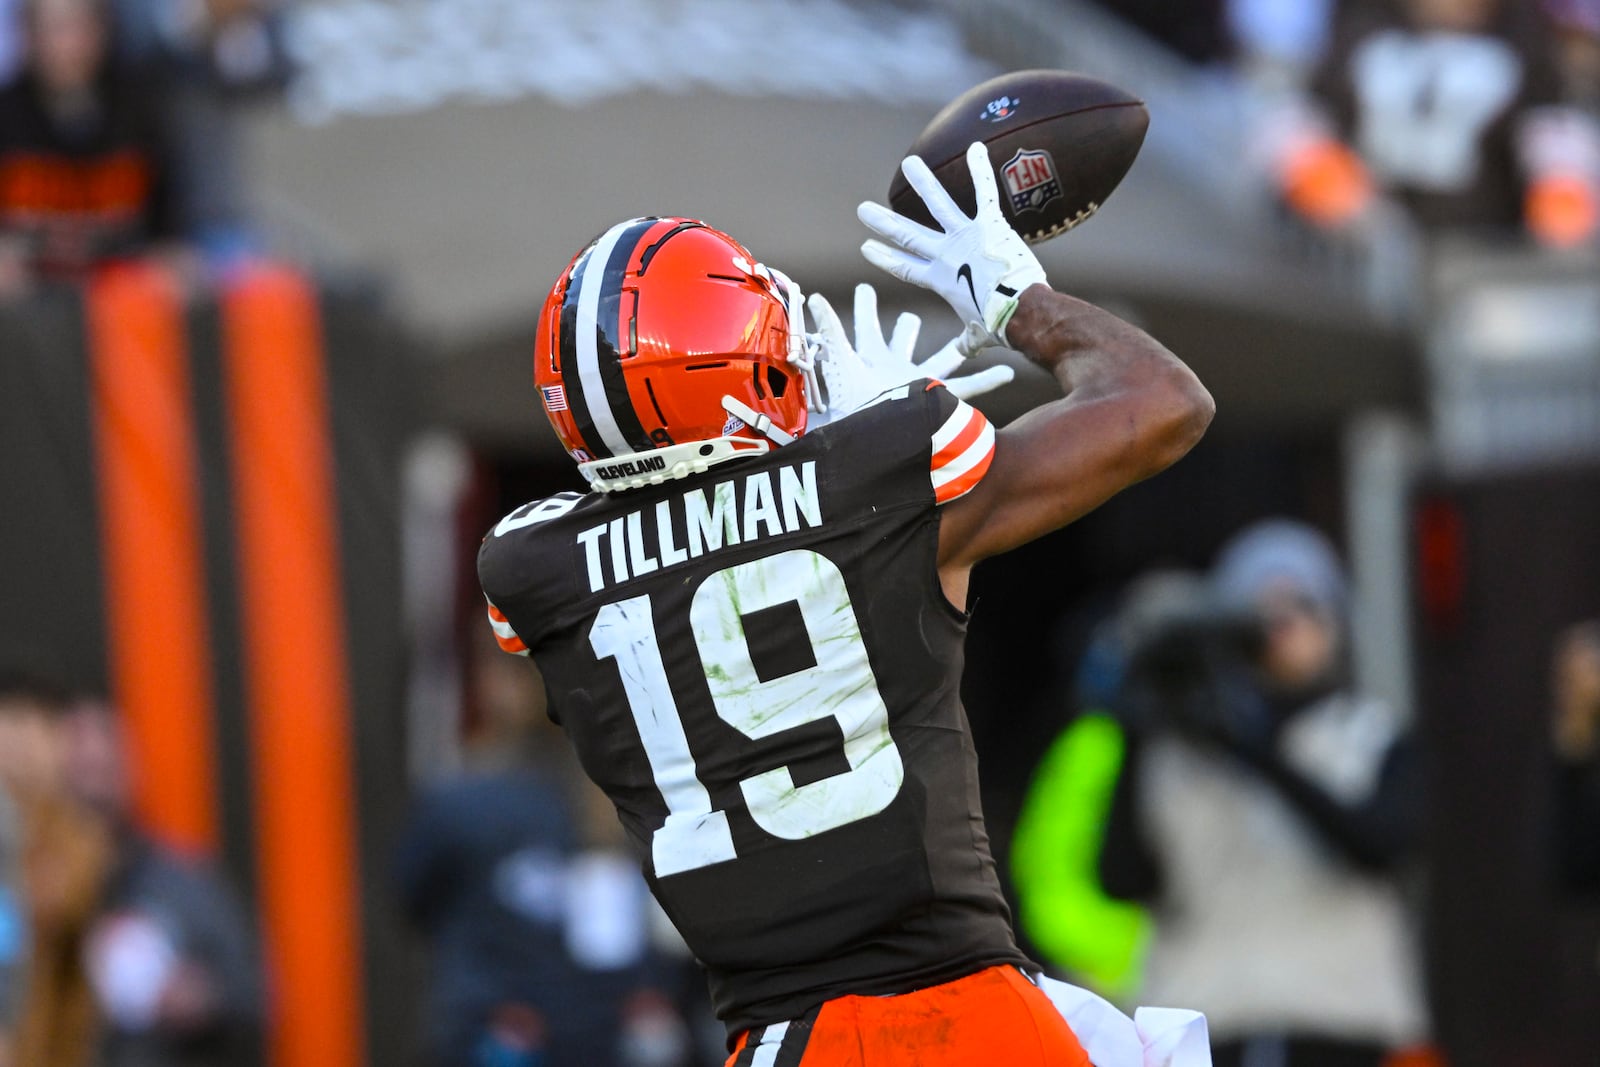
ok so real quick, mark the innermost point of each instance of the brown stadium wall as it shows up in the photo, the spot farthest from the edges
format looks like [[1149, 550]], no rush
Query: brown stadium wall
[[199, 510], [1504, 562]]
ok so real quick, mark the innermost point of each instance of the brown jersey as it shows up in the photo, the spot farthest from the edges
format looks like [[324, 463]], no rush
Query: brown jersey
[[759, 667]]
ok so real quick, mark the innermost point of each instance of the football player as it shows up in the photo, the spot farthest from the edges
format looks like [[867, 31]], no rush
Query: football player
[[752, 630]]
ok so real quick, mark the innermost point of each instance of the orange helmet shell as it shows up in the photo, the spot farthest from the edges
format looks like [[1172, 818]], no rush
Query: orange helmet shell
[[646, 331]]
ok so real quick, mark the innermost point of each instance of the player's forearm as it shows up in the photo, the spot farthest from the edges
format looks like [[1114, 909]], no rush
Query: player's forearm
[[1085, 346], [1093, 354]]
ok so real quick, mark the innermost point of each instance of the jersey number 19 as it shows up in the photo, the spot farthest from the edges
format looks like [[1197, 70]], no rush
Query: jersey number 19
[[840, 685]]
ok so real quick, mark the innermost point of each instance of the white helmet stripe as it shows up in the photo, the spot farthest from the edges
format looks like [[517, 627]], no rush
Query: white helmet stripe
[[589, 289]]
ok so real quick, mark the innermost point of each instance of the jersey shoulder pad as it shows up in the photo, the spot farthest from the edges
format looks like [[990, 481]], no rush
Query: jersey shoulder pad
[[921, 434], [538, 511], [525, 568], [511, 557]]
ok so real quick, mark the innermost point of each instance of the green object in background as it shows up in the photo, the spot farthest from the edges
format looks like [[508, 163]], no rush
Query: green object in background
[[1055, 862]]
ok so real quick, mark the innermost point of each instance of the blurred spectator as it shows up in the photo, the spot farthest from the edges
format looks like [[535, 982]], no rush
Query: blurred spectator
[[1193, 29], [1262, 811], [170, 954], [234, 46], [1577, 24], [208, 55], [85, 172], [1577, 746], [13, 928], [1065, 910], [66, 859], [10, 38], [1280, 41], [1451, 107], [539, 939]]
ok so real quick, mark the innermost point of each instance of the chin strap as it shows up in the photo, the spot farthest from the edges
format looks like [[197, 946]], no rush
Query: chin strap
[[758, 422], [639, 469]]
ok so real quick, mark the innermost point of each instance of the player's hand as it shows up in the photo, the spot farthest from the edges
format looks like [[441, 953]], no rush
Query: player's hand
[[979, 265], [855, 374]]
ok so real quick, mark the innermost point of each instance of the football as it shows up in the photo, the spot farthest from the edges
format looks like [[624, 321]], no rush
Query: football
[[1059, 142]]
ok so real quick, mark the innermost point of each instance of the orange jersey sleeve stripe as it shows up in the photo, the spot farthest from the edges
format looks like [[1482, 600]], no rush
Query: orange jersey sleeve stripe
[[965, 483], [504, 635], [962, 450], [512, 645], [952, 426], [962, 441]]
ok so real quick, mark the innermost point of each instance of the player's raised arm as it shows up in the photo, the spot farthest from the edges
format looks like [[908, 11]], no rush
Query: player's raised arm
[[1131, 408]]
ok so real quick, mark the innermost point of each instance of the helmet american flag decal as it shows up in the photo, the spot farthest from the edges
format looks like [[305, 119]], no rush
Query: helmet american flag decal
[[591, 367], [555, 397]]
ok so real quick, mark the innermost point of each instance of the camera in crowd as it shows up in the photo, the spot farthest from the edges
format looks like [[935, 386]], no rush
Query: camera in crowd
[[1178, 656]]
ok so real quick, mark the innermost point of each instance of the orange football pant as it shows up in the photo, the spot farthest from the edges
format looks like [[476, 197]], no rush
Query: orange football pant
[[993, 1017]]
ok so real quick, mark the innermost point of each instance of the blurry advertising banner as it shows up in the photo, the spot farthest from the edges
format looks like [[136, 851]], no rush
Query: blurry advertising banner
[[200, 502]]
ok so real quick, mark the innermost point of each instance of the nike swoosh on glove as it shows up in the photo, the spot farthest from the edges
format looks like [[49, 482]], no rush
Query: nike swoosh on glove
[[854, 375], [979, 265]]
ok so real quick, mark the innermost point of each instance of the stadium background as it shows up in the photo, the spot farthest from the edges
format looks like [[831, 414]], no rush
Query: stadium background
[[268, 560]]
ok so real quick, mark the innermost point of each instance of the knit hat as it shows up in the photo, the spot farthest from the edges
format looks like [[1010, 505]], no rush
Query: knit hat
[[1280, 552]]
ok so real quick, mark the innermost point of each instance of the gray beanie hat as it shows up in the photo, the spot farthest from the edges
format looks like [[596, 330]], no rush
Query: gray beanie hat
[[1280, 551]]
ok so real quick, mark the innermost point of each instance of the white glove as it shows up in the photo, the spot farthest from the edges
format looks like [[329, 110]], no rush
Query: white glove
[[855, 374], [979, 265], [959, 349]]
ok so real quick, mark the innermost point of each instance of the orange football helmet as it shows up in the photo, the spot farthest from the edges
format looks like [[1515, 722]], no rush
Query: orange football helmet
[[664, 348]]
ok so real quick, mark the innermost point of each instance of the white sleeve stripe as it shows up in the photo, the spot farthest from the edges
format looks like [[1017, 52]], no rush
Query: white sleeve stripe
[[771, 1045], [958, 421], [502, 629], [975, 454]]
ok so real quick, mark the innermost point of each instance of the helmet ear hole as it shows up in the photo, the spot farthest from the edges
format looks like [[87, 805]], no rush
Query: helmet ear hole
[[777, 381]]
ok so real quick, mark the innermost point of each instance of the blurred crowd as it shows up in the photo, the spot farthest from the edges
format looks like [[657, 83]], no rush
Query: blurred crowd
[[1475, 115], [1257, 815], [115, 132], [1227, 821], [1576, 732], [115, 951], [115, 142], [545, 948]]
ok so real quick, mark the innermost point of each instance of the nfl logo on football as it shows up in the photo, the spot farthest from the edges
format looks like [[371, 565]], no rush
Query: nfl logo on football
[[1031, 180]]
